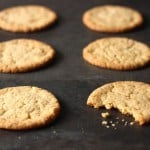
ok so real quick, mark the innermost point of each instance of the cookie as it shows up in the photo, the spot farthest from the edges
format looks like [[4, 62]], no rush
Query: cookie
[[26, 18], [117, 53], [129, 97], [21, 55], [111, 18], [27, 107]]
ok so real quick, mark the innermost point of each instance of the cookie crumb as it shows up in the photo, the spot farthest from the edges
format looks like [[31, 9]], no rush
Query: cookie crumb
[[110, 121], [104, 122], [117, 122], [113, 125], [125, 123], [131, 123], [105, 115], [54, 132]]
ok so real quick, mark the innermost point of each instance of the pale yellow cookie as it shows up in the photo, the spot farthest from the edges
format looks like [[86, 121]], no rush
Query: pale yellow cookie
[[129, 97], [21, 55], [112, 18], [26, 107], [117, 53], [26, 18]]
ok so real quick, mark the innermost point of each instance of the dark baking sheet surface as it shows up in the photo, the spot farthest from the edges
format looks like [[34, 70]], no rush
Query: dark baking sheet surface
[[71, 80]]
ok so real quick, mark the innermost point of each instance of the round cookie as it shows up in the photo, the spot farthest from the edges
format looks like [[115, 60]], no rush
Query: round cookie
[[26, 18], [117, 53], [112, 18], [26, 107], [129, 97], [21, 55]]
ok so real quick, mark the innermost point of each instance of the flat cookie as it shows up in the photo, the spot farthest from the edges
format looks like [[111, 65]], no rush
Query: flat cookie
[[21, 55], [26, 18], [117, 53], [129, 97], [26, 107], [111, 18]]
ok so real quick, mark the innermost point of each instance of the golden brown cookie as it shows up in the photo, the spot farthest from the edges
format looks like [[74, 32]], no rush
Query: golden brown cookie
[[129, 97], [21, 55], [112, 18], [26, 18], [117, 53], [27, 107]]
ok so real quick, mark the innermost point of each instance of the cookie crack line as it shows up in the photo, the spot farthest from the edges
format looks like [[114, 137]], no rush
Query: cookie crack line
[[129, 97]]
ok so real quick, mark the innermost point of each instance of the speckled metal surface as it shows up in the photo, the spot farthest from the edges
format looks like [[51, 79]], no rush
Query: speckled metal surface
[[71, 80]]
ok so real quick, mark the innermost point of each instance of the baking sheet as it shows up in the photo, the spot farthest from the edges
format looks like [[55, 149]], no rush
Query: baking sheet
[[72, 80]]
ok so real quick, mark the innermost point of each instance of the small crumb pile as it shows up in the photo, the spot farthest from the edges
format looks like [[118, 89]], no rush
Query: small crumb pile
[[113, 124]]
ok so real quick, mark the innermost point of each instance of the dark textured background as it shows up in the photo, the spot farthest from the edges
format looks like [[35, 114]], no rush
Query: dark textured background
[[71, 80]]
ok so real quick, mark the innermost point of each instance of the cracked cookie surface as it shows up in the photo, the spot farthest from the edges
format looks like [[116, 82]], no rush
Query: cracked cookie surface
[[26, 18], [27, 107], [21, 55], [129, 97], [117, 53], [111, 18]]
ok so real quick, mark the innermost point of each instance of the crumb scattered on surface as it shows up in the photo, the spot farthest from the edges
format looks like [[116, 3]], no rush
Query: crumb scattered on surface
[[54, 132], [113, 125], [104, 122], [116, 123], [105, 114], [126, 123], [131, 123]]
